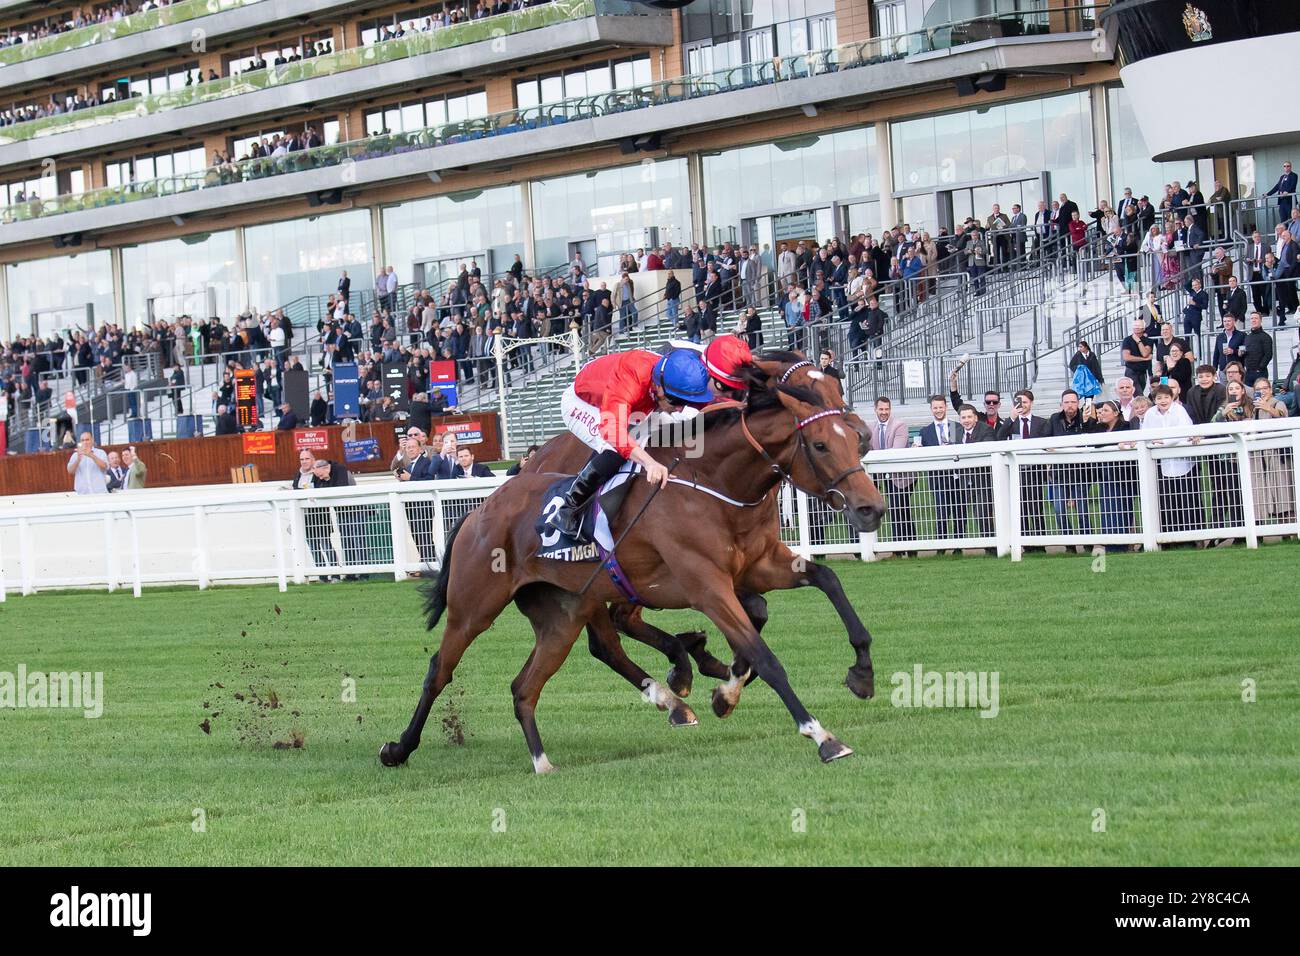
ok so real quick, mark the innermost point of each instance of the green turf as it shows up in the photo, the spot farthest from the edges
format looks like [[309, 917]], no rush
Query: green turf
[[1119, 690]]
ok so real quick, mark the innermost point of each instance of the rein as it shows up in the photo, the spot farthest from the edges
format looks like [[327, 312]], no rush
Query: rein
[[831, 488]]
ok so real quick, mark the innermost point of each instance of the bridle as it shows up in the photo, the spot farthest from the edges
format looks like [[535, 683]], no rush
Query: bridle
[[830, 493]]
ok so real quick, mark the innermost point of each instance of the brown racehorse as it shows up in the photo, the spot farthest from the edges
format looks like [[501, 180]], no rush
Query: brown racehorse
[[689, 550], [776, 567]]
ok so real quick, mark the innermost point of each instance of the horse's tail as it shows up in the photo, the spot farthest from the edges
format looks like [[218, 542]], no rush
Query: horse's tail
[[435, 593]]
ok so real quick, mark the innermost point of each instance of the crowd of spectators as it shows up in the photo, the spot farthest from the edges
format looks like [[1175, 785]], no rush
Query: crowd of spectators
[[1099, 496], [449, 15], [87, 16]]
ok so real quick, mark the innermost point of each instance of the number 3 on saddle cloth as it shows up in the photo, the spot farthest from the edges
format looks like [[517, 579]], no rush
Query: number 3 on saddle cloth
[[595, 539]]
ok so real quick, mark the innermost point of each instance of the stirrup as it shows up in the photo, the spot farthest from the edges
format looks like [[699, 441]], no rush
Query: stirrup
[[566, 520]]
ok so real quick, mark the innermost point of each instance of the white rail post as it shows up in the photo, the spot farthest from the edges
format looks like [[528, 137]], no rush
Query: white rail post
[[801, 516], [298, 526], [1000, 479], [3, 597], [135, 555], [278, 543], [1148, 497], [201, 547], [1295, 479], [1247, 490], [397, 527], [1014, 544], [26, 570], [110, 553]]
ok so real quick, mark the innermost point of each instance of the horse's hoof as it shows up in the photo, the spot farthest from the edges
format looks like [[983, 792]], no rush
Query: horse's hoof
[[721, 706], [542, 766], [390, 754], [831, 749], [682, 716], [862, 686], [679, 681]]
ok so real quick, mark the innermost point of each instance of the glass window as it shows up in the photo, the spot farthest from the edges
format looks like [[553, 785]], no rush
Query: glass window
[[526, 94], [293, 258], [57, 290], [915, 160], [553, 89], [423, 230], [177, 274], [1130, 158], [890, 17]]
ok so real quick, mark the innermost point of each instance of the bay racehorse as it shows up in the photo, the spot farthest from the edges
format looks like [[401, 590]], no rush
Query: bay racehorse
[[775, 566], [689, 550]]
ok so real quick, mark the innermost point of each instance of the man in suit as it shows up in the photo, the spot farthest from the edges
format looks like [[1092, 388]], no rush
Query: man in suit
[[1256, 249], [1042, 227], [227, 424], [1256, 351], [115, 477], [345, 285], [1285, 192], [1068, 208], [943, 483], [466, 467], [1023, 425], [1219, 200], [1233, 301], [1288, 266], [992, 402], [785, 266], [975, 485], [1069, 483], [1019, 222], [1197, 302], [1146, 215], [748, 274], [319, 410], [1227, 345], [1122, 209], [288, 419], [136, 472], [1197, 208], [890, 432]]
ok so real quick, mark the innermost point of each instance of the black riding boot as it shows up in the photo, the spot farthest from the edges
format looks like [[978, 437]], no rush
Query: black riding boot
[[602, 466]]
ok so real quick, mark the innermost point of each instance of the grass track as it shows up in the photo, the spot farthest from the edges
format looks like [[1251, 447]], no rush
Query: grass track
[[1119, 691]]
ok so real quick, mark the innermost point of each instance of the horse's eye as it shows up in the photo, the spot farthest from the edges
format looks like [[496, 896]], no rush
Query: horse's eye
[[819, 445]]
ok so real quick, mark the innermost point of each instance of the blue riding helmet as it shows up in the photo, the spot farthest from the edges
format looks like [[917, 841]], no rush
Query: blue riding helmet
[[682, 375]]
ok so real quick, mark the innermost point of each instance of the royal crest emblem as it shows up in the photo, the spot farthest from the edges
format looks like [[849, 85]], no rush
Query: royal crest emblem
[[1197, 24]]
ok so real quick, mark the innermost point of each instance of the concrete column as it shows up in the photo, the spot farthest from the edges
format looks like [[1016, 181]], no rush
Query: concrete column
[[119, 291], [885, 176], [695, 185], [526, 198], [6, 330], [241, 274], [377, 242], [1101, 142]]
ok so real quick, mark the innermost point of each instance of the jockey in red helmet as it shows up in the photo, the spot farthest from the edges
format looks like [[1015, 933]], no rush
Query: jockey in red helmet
[[724, 357], [608, 401]]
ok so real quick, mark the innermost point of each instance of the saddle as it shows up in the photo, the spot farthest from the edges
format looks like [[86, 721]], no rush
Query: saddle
[[594, 534]]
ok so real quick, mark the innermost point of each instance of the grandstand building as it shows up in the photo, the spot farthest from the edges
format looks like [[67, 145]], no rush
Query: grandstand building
[[572, 125]]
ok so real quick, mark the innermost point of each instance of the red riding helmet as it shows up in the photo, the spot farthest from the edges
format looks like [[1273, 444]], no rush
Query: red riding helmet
[[724, 356]]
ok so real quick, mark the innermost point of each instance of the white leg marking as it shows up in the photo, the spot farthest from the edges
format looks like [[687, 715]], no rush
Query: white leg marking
[[814, 730], [730, 691], [659, 695], [542, 765]]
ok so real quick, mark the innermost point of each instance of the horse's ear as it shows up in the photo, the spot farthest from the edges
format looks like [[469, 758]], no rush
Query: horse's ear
[[771, 370]]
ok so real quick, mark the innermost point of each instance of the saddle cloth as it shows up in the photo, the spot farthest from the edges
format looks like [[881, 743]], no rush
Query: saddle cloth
[[594, 534]]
